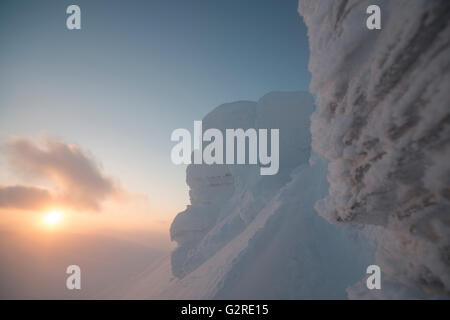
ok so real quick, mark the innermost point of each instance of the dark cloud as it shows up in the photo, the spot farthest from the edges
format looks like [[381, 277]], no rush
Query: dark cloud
[[79, 180]]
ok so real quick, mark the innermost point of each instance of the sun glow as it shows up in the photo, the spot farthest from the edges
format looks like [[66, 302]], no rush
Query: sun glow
[[53, 217]]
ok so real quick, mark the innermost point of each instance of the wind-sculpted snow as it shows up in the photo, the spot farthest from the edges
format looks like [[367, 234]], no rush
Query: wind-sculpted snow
[[251, 236], [383, 122], [226, 198]]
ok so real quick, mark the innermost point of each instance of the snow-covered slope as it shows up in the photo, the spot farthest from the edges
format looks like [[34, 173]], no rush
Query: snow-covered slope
[[250, 236], [226, 198], [383, 122]]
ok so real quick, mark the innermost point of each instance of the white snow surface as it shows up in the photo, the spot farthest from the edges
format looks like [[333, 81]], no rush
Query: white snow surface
[[247, 236], [383, 122]]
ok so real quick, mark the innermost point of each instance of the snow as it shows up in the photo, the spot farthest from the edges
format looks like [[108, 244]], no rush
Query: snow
[[250, 236], [383, 123], [364, 177], [225, 198]]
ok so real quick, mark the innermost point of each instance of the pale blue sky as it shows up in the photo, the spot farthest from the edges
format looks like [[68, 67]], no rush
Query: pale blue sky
[[138, 70]]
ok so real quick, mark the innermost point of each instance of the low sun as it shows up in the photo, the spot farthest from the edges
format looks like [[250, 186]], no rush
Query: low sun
[[53, 217]]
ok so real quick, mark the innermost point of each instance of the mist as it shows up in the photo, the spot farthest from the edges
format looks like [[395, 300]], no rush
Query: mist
[[33, 264]]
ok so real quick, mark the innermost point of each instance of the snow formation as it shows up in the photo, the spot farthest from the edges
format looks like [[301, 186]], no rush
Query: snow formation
[[383, 122], [250, 236]]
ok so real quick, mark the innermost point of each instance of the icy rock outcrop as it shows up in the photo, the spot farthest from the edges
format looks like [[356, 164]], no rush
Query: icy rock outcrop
[[383, 122]]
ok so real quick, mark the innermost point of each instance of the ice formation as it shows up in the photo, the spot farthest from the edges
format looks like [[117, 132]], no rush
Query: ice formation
[[250, 236], [383, 122]]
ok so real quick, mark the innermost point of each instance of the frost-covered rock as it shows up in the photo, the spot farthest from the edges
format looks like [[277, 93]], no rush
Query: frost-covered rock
[[383, 122]]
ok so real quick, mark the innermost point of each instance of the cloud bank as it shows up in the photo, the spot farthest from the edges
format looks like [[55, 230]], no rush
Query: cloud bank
[[78, 180], [24, 197]]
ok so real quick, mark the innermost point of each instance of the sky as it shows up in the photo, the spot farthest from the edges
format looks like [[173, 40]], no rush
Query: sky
[[96, 107]]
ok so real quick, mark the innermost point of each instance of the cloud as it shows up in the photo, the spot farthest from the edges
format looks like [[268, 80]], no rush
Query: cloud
[[23, 197], [78, 179]]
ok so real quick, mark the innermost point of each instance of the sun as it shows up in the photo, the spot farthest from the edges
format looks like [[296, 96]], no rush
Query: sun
[[53, 217]]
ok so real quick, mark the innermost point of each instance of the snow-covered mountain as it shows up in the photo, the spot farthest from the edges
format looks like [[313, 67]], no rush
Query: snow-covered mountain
[[250, 236], [364, 177], [383, 122], [226, 198]]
